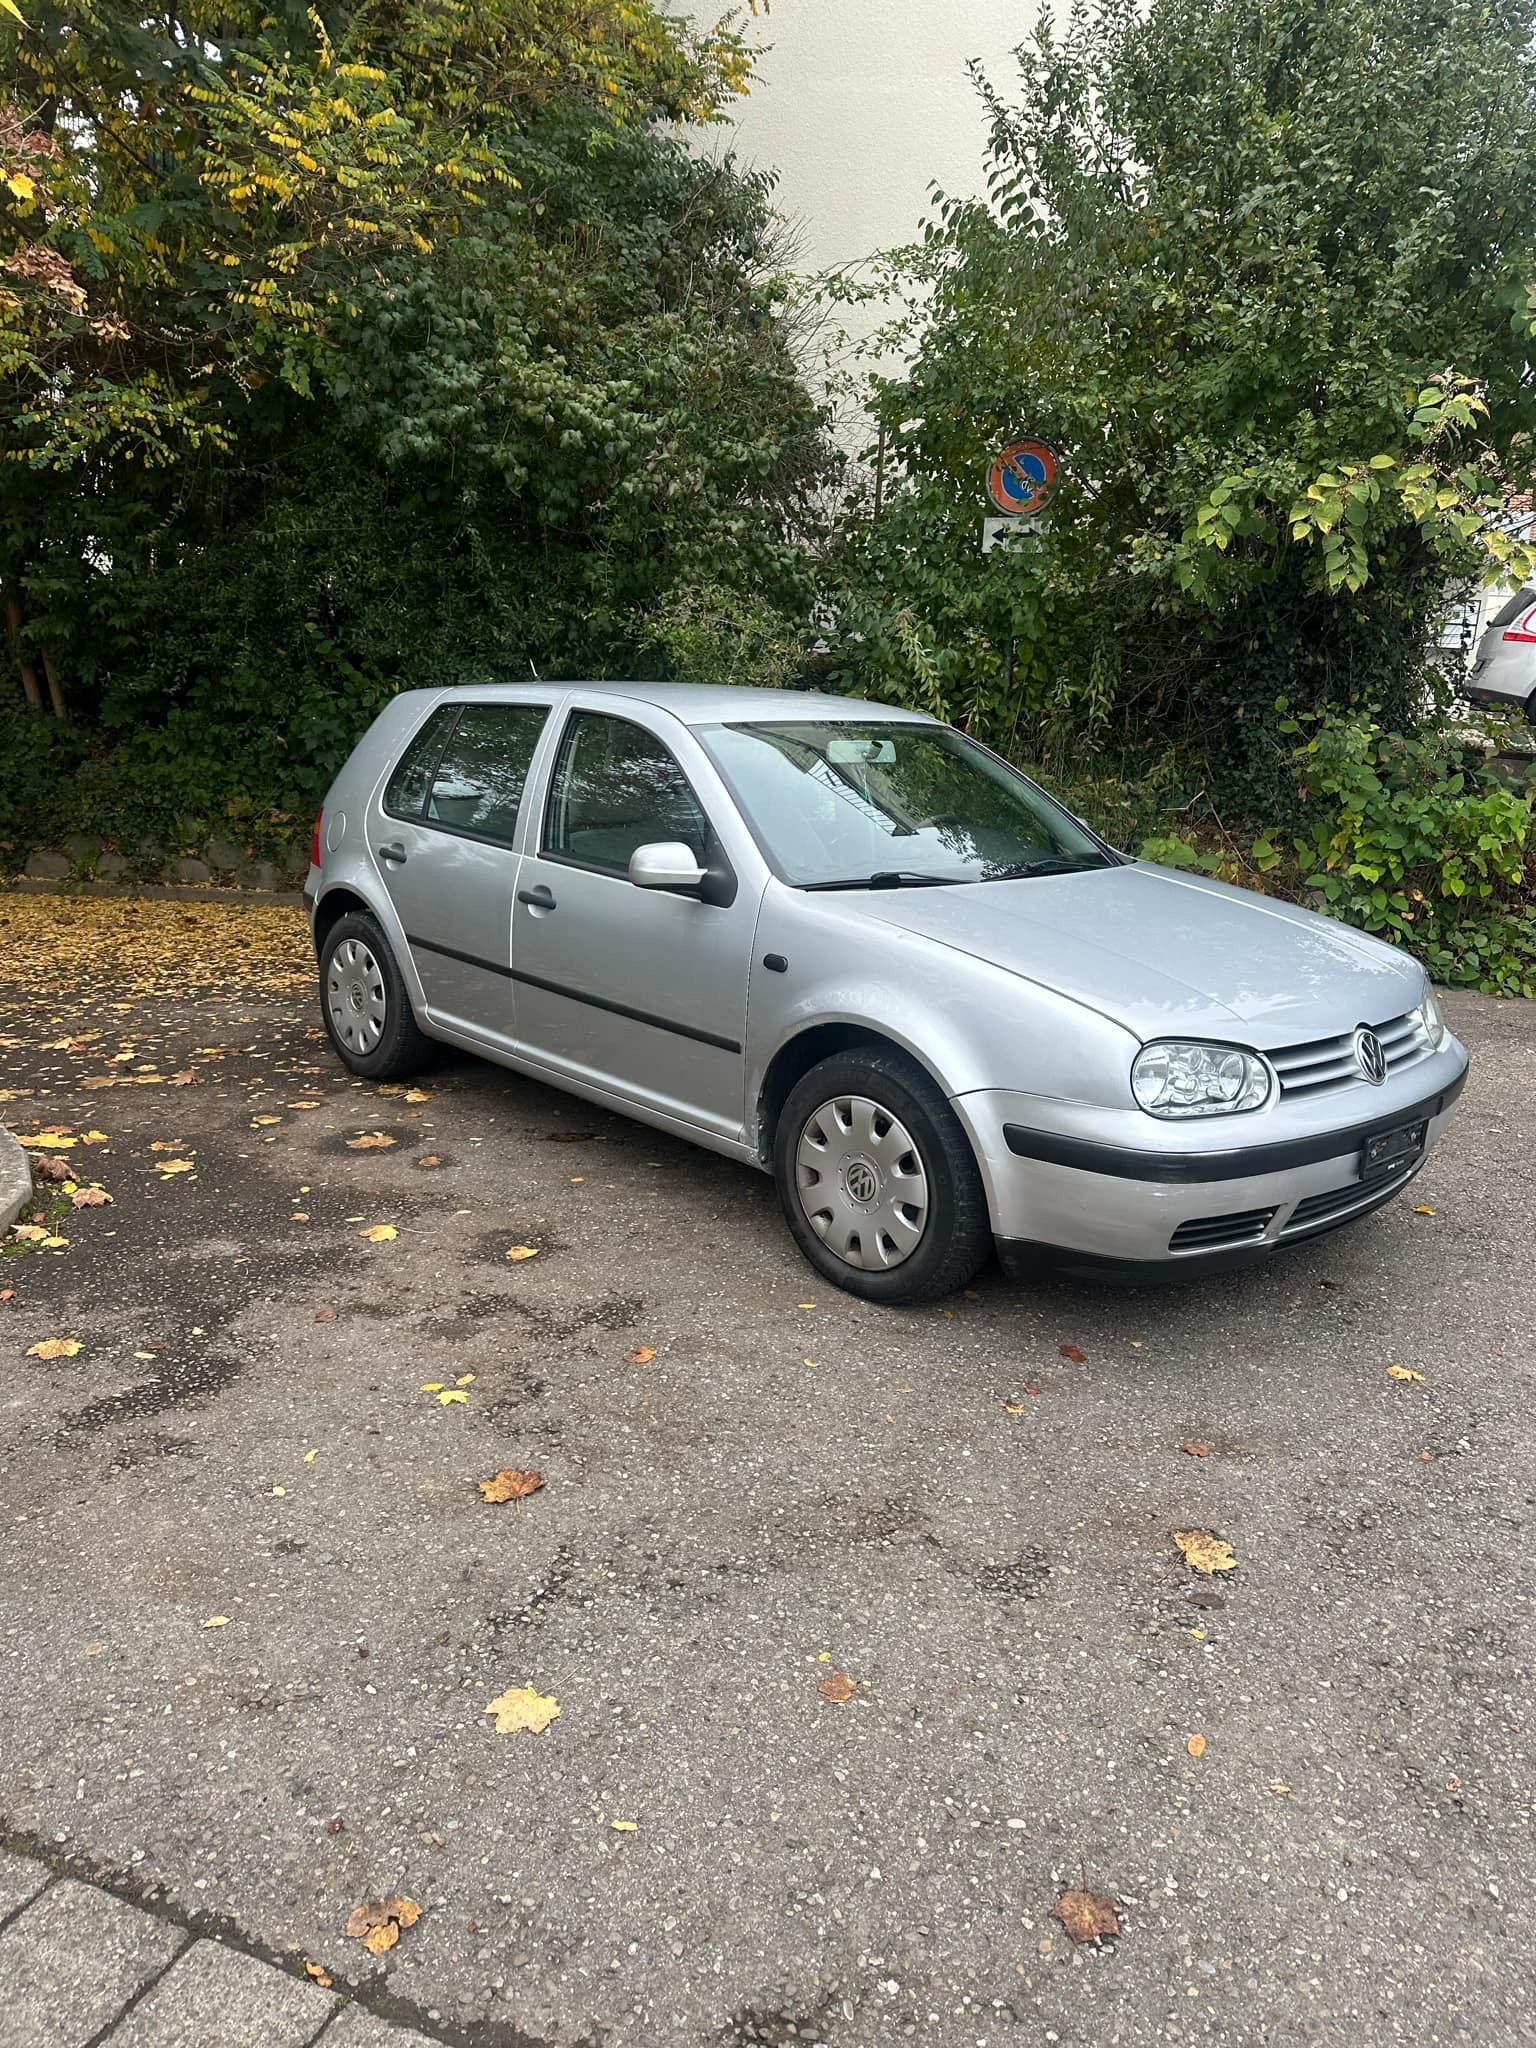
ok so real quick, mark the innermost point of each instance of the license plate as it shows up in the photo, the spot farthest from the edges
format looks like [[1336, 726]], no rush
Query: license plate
[[1390, 1149]]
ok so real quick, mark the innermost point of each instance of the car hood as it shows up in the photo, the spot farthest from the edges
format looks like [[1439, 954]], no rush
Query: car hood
[[1169, 954]]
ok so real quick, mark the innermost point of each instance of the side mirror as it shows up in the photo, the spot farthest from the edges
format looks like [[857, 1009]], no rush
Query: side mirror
[[667, 864]]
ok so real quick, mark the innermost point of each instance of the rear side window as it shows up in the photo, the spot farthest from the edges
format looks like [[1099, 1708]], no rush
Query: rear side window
[[405, 793], [1511, 609], [477, 785], [617, 787]]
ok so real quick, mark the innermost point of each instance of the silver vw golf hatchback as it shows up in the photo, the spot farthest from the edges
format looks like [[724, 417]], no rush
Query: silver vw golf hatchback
[[847, 945]]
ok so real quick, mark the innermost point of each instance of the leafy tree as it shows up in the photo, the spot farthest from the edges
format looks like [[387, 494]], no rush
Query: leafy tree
[[1262, 271], [348, 347]]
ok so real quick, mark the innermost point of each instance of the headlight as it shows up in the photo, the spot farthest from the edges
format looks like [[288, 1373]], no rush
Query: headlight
[[1178, 1079], [1432, 1017]]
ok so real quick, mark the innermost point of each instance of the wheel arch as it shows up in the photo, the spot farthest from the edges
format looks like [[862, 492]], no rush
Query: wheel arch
[[817, 1042], [332, 907]]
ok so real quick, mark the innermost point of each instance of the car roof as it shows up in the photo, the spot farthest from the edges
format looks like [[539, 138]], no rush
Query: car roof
[[707, 703]]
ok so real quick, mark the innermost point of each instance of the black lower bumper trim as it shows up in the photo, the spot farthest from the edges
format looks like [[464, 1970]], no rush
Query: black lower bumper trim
[[1182, 1169], [1022, 1258]]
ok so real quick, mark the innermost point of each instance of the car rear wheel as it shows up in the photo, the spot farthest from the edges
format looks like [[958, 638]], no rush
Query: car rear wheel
[[367, 1012], [877, 1179]]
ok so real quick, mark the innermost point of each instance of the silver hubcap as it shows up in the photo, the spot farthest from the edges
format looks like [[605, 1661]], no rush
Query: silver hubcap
[[861, 1183], [354, 996]]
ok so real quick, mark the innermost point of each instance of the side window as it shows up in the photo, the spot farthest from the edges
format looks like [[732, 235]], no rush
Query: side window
[[406, 791], [478, 784], [617, 787]]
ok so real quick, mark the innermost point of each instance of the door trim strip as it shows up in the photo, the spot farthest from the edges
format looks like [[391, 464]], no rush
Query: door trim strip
[[574, 995]]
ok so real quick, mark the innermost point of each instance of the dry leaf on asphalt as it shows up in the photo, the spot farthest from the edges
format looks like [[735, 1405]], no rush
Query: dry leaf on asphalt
[[217, 1621], [1402, 1372], [430, 1159], [377, 1925], [90, 1198], [641, 1355], [1087, 1916], [521, 1710], [49, 1141], [55, 1347], [1078, 1356], [170, 1166], [379, 1233], [1205, 1550], [447, 1396], [839, 1688], [1014, 1407], [325, 1315], [1422, 1209], [510, 1484], [1196, 1745], [320, 1975], [625, 1827], [29, 1233], [418, 1095], [261, 1120], [522, 1251], [374, 1141], [1197, 1449]]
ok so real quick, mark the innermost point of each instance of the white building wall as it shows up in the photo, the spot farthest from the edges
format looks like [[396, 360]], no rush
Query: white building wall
[[861, 105]]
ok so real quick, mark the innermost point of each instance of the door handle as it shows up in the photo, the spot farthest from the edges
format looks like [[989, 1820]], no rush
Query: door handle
[[539, 898], [394, 852]]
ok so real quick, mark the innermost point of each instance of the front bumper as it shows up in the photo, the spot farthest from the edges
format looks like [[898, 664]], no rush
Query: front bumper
[[1065, 1197]]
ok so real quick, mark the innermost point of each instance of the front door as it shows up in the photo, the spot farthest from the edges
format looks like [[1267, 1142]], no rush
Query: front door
[[443, 844], [630, 989]]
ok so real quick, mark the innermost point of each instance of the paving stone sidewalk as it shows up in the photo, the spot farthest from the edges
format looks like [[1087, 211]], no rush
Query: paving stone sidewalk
[[80, 1968]]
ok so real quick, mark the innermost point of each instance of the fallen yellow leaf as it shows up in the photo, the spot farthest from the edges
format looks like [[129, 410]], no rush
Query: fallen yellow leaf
[[30, 1233], [379, 1233], [1087, 1916], [418, 1095], [98, 1137], [1402, 1372], [170, 1166], [90, 1198], [625, 1827], [374, 1141], [1206, 1551], [377, 1925], [510, 1484], [217, 1621], [839, 1688], [1422, 1209], [320, 1975], [523, 1251], [54, 1244], [1196, 1745], [521, 1710], [49, 1141], [258, 1121], [55, 1347], [641, 1355], [449, 1396]]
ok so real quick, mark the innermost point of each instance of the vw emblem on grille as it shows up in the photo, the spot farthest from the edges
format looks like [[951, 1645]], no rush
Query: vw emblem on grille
[[862, 1184], [1371, 1056]]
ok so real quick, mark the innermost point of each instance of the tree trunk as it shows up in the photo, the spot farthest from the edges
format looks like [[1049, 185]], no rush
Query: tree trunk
[[55, 687], [28, 672]]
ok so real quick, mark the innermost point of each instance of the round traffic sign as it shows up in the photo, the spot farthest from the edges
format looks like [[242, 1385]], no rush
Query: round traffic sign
[[1022, 477]]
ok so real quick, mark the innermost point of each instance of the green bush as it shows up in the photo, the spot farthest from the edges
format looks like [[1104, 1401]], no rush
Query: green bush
[[1414, 839]]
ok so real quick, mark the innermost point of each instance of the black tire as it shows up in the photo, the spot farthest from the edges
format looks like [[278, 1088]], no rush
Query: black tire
[[956, 1235], [403, 1047]]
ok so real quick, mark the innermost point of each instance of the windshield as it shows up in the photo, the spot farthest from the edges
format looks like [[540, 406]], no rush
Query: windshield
[[849, 805]]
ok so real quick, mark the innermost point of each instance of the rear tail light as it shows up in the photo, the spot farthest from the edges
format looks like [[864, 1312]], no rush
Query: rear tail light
[[314, 840], [1523, 628]]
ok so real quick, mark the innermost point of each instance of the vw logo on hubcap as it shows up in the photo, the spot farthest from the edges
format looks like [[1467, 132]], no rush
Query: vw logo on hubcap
[[862, 1181], [1371, 1056]]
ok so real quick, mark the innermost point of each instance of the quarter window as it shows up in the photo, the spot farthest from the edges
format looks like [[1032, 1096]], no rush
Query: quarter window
[[616, 787], [478, 784]]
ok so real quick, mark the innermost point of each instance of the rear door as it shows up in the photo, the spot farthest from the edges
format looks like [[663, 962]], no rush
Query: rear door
[[444, 839], [629, 989]]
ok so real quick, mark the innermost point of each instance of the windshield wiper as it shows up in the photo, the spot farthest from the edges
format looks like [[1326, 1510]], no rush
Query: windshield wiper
[[893, 878], [1054, 864]]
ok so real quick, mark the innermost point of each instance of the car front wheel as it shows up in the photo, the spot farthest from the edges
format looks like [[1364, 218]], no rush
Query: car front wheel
[[367, 1012], [877, 1179]]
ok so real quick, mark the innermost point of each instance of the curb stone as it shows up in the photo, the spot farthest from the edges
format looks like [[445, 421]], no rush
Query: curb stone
[[15, 1179]]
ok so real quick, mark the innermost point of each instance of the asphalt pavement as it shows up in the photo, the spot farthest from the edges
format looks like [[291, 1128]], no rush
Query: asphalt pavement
[[253, 1606]]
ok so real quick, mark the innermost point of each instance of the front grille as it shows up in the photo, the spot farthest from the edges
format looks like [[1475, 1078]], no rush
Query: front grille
[[1324, 1065], [1315, 1209], [1210, 1233]]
